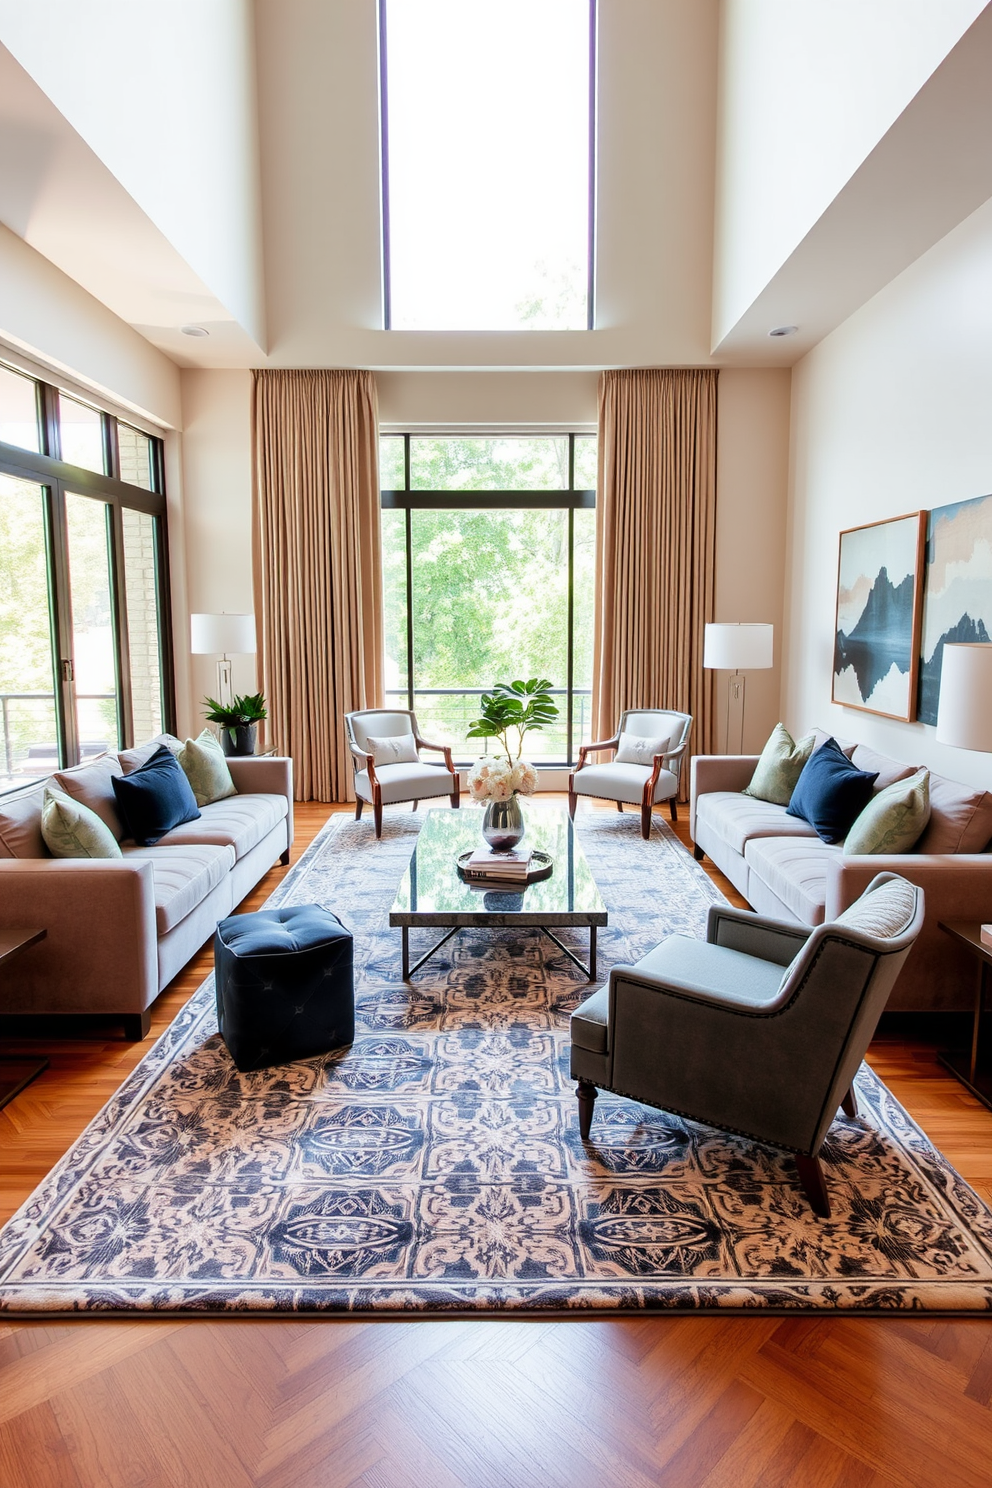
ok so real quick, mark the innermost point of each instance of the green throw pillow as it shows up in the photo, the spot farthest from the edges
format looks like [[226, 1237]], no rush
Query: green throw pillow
[[894, 819], [205, 768], [780, 766], [72, 830]]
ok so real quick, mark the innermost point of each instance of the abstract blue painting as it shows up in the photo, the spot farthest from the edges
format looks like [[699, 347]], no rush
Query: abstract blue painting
[[957, 602], [876, 642]]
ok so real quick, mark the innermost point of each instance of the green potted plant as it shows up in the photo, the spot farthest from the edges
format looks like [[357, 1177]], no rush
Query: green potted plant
[[238, 721], [520, 707]]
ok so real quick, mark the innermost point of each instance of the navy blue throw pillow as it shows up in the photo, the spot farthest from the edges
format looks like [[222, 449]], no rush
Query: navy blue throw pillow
[[154, 798], [830, 793]]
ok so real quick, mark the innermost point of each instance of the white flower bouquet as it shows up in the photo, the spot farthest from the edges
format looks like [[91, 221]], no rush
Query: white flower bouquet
[[497, 779]]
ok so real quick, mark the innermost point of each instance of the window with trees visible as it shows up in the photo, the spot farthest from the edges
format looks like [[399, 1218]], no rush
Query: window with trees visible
[[488, 154], [488, 549], [85, 662]]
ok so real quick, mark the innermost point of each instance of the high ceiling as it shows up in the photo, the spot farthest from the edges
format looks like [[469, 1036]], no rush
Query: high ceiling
[[218, 166]]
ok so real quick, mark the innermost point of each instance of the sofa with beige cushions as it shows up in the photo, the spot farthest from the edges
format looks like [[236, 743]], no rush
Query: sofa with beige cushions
[[782, 868], [119, 929]]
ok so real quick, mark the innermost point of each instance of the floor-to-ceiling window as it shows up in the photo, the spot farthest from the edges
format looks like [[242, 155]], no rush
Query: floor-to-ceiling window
[[488, 547], [84, 641]]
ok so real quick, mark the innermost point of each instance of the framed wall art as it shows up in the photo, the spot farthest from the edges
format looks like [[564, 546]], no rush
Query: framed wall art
[[957, 592], [877, 635]]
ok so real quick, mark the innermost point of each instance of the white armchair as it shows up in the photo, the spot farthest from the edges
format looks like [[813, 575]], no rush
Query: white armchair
[[638, 776], [385, 748]]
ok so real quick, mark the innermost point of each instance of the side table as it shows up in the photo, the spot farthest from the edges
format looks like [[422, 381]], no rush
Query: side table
[[966, 1066], [18, 1070]]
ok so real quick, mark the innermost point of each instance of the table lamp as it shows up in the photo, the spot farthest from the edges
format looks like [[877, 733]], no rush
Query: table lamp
[[729, 647], [213, 634]]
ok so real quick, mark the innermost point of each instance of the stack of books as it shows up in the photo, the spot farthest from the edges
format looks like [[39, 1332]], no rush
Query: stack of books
[[486, 866]]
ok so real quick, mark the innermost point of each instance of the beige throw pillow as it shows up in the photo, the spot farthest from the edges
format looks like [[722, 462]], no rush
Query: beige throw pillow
[[780, 766], [72, 830], [397, 749], [894, 818], [205, 767], [634, 749]]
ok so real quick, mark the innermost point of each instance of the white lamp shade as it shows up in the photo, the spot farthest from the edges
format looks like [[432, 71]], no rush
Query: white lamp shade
[[215, 635], [733, 648], [964, 711]]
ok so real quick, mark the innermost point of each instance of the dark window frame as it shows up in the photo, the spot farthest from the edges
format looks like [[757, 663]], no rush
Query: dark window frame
[[58, 479], [386, 252], [568, 499]]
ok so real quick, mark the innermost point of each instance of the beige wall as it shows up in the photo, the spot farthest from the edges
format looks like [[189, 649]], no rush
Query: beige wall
[[216, 475], [890, 415], [752, 492]]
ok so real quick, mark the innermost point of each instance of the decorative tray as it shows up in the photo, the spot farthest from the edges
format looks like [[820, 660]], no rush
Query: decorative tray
[[542, 865]]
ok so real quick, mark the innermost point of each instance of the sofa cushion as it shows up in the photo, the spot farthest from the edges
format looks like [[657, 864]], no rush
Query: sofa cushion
[[894, 818], [589, 1024], [20, 824], [133, 759], [888, 771], [406, 782], [239, 822], [795, 869], [735, 818], [820, 737], [93, 785], [613, 782], [779, 766], [155, 798], [72, 830], [960, 818], [831, 793], [184, 876]]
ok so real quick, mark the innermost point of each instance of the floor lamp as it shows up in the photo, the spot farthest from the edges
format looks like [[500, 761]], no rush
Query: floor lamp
[[212, 635], [737, 648]]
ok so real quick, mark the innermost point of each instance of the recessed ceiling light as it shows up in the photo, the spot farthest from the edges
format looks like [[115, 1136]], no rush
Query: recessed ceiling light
[[192, 330], [783, 331]]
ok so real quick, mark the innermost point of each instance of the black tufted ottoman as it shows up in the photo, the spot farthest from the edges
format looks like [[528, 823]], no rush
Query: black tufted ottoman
[[285, 988]]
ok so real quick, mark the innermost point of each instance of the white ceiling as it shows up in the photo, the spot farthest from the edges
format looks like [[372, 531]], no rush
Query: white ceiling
[[317, 161]]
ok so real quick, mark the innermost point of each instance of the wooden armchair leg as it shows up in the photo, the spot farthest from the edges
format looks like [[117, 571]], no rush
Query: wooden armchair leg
[[377, 814], [619, 805], [358, 809], [585, 1094], [673, 808], [455, 797], [573, 801], [645, 822], [849, 1105], [814, 1185]]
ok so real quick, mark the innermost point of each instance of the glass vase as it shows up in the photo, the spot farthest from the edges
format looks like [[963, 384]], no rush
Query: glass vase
[[503, 824]]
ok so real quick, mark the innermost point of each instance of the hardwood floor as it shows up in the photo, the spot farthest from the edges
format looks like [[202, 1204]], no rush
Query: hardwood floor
[[749, 1402]]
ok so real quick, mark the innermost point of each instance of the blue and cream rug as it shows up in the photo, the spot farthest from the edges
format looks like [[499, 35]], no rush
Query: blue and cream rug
[[437, 1166]]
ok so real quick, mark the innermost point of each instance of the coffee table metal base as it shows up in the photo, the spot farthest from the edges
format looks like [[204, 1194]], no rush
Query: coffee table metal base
[[408, 970]]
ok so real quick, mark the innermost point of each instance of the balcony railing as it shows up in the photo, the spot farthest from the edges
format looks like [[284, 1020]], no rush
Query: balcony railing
[[26, 758], [444, 715]]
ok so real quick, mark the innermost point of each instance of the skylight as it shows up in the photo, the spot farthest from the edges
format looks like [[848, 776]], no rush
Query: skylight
[[487, 164]]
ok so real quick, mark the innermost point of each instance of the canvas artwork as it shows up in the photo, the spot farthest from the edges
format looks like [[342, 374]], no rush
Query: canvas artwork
[[957, 603], [878, 616]]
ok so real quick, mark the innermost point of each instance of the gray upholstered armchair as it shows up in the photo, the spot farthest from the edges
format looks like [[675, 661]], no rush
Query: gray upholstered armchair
[[759, 1029], [385, 746], [637, 775]]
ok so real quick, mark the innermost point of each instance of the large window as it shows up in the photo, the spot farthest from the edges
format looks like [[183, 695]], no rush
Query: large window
[[84, 642], [488, 125], [488, 547]]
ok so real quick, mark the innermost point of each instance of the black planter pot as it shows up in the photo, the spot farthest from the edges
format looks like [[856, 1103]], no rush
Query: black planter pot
[[239, 740]]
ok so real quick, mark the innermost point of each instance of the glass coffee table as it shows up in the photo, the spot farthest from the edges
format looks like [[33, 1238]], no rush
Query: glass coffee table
[[433, 893]]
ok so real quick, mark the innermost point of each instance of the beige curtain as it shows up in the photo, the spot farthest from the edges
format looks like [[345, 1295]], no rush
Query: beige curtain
[[318, 584], [655, 547]]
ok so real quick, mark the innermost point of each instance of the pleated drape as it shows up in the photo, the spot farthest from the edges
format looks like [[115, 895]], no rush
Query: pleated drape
[[318, 573], [655, 547]]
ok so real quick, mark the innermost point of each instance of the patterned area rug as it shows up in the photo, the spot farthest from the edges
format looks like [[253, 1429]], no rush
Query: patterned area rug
[[436, 1165]]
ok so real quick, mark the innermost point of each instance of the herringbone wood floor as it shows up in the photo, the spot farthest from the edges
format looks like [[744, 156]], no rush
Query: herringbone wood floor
[[821, 1403]]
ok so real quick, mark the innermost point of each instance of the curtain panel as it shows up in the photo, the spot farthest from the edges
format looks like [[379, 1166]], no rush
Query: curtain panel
[[318, 572], [655, 547]]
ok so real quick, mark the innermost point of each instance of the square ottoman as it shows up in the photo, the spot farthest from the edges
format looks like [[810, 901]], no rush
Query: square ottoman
[[285, 985]]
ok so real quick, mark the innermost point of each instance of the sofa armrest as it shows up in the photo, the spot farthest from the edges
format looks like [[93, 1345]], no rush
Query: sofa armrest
[[100, 954], [265, 774], [717, 772], [956, 886], [755, 935]]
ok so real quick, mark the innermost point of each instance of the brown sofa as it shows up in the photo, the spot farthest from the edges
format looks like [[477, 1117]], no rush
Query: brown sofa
[[783, 869], [119, 929]]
